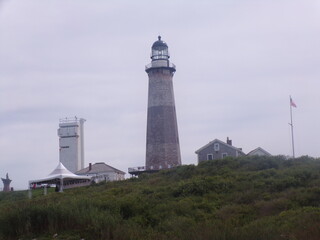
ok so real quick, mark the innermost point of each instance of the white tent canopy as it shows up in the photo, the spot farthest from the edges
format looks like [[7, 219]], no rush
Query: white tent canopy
[[62, 177]]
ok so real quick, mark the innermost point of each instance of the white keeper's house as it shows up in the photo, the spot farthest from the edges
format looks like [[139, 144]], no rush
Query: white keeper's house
[[102, 172]]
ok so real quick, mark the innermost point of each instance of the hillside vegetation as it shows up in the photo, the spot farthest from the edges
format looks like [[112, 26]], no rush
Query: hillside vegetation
[[247, 198]]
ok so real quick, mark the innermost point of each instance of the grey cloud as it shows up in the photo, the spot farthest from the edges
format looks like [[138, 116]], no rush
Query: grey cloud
[[237, 64]]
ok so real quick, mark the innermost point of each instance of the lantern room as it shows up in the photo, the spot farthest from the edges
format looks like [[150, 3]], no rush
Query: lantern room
[[159, 50]]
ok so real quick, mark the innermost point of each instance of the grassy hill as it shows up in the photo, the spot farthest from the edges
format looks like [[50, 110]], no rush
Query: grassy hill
[[248, 198]]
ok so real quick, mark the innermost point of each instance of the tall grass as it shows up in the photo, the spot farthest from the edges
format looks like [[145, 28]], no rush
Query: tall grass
[[244, 198]]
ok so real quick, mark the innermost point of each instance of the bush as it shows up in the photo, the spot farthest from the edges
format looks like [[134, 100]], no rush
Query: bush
[[246, 198]]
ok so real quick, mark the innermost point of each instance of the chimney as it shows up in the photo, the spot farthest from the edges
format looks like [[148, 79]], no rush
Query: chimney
[[90, 166], [229, 141]]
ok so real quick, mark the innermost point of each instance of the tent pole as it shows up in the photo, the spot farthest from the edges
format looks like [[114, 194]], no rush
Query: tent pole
[[29, 191], [61, 184]]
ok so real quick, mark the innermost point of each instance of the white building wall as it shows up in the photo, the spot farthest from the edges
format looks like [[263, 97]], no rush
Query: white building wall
[[106, 176], [71, 144]]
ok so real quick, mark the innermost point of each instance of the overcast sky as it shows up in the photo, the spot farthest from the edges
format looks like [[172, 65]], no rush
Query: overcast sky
[[237, 63]]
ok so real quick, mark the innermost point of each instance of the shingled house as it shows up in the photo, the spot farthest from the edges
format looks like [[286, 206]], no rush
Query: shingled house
[[218, 149], [102, 172], [259, 152]]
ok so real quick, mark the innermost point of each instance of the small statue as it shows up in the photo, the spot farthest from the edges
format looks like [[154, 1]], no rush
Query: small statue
[[6, 183]]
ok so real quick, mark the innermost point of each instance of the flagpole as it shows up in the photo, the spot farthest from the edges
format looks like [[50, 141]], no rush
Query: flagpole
[[291, 124]]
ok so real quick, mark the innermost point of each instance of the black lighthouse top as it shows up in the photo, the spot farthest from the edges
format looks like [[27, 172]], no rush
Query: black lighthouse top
[[159, 50]]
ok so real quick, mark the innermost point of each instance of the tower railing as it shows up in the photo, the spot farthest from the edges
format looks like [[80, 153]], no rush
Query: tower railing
[[160, 63], [70, 120], [137, 169]]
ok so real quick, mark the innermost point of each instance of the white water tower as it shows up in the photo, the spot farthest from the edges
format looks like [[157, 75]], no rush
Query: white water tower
[[71, 143]]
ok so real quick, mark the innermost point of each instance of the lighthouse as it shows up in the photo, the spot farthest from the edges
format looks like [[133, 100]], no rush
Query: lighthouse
[[162, 148]]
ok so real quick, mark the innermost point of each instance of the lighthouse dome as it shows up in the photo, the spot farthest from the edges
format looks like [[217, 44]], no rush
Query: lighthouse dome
[[159, 44], [159, 50]]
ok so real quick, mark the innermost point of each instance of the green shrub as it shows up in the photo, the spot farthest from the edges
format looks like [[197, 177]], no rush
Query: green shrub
[[244, 198]]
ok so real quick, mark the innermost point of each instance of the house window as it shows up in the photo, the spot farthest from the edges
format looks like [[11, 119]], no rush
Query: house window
[[210, 157], [216, 147], [224, 155]]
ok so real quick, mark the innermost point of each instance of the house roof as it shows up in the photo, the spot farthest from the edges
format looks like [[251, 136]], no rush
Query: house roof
[[60, 172], [218, 141], [259, 149], [98, 168]]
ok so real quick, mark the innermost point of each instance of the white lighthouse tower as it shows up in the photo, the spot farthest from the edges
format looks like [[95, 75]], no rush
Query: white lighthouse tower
[[71, 143]]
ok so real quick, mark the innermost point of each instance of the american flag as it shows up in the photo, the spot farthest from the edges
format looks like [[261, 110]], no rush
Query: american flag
[[292, 104]]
